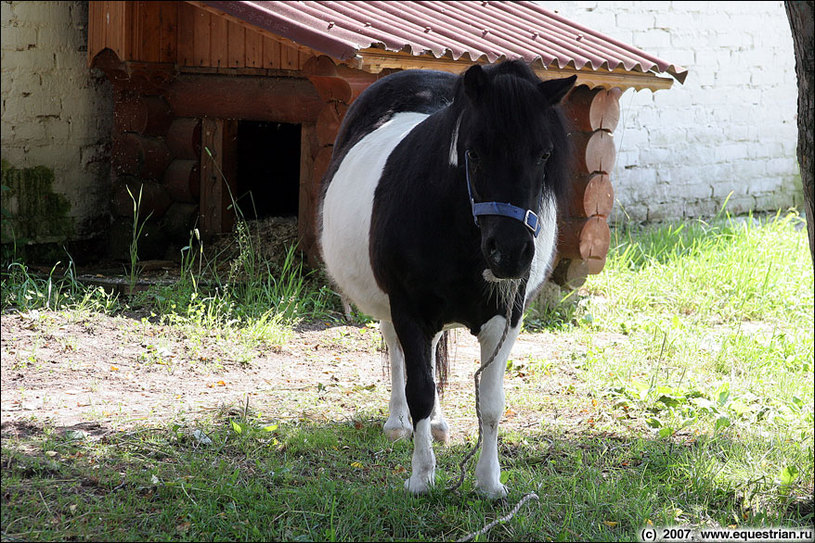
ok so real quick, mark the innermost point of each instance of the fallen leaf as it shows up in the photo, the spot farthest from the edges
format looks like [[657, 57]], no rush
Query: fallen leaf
[[356, 465], [114, 368], [610, 523], [51, 453]]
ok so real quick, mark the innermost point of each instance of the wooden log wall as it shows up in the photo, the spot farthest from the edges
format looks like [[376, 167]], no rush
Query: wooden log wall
[[584, 233], [159, 154], [337, 91]]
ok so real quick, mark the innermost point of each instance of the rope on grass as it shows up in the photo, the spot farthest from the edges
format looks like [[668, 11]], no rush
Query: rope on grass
[[508, 516], [469, 455]]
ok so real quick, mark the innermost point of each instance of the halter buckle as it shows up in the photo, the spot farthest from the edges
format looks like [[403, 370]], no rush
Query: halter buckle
[[531, 221]]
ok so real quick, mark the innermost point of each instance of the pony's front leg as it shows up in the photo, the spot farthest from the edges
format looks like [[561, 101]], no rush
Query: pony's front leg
[[420, 391], [491, 393], [398, 425]]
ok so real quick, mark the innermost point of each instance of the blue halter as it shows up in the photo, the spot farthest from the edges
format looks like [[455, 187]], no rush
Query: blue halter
[[528, 217]]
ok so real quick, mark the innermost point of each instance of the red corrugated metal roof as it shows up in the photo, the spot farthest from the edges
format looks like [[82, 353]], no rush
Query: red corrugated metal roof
[[478, 30]]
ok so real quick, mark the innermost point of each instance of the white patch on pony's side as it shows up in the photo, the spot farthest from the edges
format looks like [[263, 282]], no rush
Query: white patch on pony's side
[[454, 145], [544, 245], [345, 238]]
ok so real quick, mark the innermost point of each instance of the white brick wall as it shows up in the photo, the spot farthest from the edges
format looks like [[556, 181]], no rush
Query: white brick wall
[[730, 128], [55, 111]]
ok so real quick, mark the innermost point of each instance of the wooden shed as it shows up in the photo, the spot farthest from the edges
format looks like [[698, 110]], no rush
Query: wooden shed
[[221, 100]]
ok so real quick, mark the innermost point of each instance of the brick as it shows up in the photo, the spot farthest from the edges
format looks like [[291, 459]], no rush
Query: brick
[[652, 38], [635, 21], [31, 131], [47, 13], [18, 38]]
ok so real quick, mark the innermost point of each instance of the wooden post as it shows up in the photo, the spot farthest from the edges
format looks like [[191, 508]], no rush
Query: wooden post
[[218, 145]]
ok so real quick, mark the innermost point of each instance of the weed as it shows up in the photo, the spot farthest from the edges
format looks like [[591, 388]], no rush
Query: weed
[[138, 226]]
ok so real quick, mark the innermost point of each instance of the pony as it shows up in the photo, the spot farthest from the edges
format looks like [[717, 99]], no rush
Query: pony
[[439, 210]]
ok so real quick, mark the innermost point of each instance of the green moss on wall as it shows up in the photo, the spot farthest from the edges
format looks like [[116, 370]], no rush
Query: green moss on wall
[[32, 211]]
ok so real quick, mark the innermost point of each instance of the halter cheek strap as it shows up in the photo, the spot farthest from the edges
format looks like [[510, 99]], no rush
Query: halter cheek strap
[[526, 216]]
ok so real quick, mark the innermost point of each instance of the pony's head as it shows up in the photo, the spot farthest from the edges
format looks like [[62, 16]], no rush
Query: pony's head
[[513, 146]]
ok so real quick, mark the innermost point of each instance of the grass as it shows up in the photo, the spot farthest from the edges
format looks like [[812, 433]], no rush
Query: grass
[[682, 395]]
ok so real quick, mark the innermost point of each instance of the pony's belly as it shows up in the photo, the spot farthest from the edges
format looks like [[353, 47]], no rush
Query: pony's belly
[[345, 237]]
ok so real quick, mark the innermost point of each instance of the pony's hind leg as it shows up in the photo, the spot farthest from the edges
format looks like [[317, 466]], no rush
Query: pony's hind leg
[[419, 391], [438, 426], [491, 393], [398, 425]]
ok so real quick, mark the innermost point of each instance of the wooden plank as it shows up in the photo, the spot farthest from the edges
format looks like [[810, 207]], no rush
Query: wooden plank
[[202, 36], [375, 60], [133, 35], [168, 20], [285, 100], [115, 31], [271, 53], [218, 42], [149, 31], [253, 49], [210, 207], [288, 57], [186, 34], [94, 28], [236, 44], [229, 149], [306, 215]]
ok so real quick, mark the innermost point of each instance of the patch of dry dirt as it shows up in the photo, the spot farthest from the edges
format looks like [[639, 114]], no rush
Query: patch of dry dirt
[[67, 370]]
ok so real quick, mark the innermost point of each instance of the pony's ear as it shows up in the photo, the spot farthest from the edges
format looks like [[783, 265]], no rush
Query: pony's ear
[[555, 89], [475, 81]]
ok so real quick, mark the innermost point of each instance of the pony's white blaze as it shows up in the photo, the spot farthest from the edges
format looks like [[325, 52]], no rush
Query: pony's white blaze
[[544, 246], [347, 214]]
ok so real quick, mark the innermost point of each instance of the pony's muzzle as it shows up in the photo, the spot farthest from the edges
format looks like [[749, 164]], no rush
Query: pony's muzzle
[[508, 256]]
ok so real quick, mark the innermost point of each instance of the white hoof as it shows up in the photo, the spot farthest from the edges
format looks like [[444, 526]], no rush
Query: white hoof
[[493, 491], [396, 429], [420, 483], [440, 431]]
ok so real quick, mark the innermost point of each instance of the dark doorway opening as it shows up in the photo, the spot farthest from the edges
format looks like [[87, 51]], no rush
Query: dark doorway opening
[[268, 169]]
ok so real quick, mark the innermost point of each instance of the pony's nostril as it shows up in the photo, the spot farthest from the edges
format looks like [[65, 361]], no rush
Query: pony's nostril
[[493, 253]]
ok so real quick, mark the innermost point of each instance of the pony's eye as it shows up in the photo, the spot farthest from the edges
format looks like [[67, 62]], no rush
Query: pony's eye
[[543, 157], [472, 155]]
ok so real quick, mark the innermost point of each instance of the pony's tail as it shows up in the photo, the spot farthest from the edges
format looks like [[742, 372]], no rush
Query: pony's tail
[[442, 361]]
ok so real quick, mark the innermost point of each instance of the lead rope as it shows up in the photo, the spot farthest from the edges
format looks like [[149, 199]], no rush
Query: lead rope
[[469, 455]]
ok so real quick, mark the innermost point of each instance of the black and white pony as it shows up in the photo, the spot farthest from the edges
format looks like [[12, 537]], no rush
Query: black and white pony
[[441, 197]]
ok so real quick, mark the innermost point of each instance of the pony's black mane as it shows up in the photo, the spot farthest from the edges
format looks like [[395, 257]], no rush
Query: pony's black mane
[[511, 101]]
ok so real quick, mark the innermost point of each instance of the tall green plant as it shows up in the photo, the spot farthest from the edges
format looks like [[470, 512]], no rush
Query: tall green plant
[[138, 227]]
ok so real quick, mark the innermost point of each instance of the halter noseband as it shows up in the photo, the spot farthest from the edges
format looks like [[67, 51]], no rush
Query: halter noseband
[[526, 216]]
